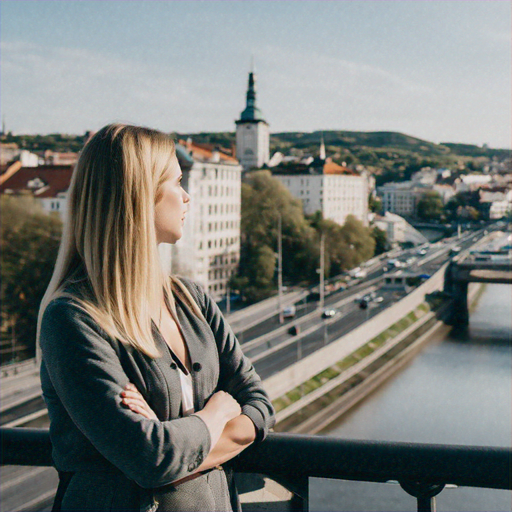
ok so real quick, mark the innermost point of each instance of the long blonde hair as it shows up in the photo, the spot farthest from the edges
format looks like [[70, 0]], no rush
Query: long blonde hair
[[108, 253]]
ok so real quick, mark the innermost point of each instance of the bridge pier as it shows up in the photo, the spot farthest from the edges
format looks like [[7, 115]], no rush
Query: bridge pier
[[476, 269], [460, 311]]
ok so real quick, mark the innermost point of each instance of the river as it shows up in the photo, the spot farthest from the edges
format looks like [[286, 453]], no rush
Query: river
[[456, 391]]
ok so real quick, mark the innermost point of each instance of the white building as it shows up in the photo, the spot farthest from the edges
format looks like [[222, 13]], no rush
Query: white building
[[393, 225], [496, 203], [397, 229], [446, 192], [426, 176], [29, 159], [469, 182], [330, 188], [400, 198], [252, 132], [209, 251], [9, 151]]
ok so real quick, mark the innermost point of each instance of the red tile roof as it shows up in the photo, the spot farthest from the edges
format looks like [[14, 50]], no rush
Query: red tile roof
[[334, 168], [205, 151], [56, 179]]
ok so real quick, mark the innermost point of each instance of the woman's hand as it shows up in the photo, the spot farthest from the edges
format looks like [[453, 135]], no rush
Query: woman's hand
[[135, 402], [224, 405], [219, 410]]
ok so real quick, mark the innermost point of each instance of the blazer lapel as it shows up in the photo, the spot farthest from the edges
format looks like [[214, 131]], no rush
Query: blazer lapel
[[169, 389]]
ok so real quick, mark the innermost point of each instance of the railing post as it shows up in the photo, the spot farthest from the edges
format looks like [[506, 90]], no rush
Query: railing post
[[424, 494], [426, 504]]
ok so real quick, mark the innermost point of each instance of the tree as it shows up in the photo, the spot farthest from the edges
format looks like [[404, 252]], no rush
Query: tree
[[345, 246], [29, 243], [264, 199], [381, 240], [464, 205], [374, 203], [430, 206], [359, 240]]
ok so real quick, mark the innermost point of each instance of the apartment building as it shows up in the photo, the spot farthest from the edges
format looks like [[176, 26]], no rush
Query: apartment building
[[209, 251], [325, 186]]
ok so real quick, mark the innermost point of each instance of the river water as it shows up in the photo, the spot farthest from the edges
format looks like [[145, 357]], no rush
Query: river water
[[456, 391]]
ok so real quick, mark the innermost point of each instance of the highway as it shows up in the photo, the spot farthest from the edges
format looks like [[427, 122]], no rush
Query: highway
[[278, 352]]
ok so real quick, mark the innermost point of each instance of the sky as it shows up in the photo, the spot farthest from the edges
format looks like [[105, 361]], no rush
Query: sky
[[439, 70]]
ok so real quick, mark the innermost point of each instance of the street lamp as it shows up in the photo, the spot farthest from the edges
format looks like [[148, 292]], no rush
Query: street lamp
[[280, 269], [321, 271]]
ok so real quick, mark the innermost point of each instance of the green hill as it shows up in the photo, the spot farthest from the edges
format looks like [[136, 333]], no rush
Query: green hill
[[390, 156]]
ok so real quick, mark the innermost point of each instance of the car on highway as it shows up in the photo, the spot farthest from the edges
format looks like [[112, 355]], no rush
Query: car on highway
[[394, 263], [370, 296], [329, 313], [363, 303], [455, 250], [289, 312], [294, 330]]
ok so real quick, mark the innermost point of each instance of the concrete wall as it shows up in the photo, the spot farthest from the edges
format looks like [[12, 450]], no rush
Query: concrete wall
[[284, 381]]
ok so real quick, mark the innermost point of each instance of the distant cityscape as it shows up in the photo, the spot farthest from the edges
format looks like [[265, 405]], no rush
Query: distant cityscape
[[478, 188]]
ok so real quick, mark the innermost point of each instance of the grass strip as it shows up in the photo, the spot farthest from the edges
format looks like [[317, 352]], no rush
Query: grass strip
[[333, 371]]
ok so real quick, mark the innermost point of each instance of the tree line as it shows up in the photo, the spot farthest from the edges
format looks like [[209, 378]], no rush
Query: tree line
[[462, 206], [264, 200], [29, 241]]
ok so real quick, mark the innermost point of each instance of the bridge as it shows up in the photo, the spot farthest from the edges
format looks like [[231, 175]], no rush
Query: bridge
[[489, 264]]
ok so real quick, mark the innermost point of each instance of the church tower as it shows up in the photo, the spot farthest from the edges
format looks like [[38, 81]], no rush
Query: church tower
[[252, 132]]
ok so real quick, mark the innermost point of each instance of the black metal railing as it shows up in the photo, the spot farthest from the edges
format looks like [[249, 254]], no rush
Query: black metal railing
[[422, 470]]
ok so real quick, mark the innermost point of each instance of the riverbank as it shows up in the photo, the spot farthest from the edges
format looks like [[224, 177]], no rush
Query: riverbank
[[315, 404]]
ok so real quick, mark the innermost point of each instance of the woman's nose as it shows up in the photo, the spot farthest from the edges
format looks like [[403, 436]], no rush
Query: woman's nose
[[186, 197]]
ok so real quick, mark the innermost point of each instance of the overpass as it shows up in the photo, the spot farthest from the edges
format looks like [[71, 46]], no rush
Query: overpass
[[483, 266]]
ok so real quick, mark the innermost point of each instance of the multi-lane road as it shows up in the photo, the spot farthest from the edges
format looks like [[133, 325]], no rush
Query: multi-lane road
[[273, 347]]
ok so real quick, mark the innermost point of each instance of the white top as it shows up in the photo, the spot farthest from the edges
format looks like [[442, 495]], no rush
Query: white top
[[187, 393]]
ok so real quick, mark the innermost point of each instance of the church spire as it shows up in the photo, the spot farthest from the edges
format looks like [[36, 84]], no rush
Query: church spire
[[251, 91], [322, 148], [251, 112]]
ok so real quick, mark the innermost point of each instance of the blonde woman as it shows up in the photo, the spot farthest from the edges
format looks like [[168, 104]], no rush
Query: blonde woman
[[148, 391]]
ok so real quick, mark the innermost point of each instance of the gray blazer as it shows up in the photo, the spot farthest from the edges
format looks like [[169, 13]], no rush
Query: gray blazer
[[117, 456]]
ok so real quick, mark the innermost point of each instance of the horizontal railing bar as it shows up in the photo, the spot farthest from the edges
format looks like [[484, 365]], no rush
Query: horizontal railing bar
[[376, 461], [295, 457]]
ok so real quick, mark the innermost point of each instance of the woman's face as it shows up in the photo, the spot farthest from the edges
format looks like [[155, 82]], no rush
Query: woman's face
[[170, 210]]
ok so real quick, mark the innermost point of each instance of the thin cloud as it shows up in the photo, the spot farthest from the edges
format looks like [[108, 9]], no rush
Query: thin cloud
[[54, 84]]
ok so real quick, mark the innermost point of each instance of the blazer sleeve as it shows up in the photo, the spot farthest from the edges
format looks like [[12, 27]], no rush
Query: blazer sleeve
[[237, 374], [85, 370]]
